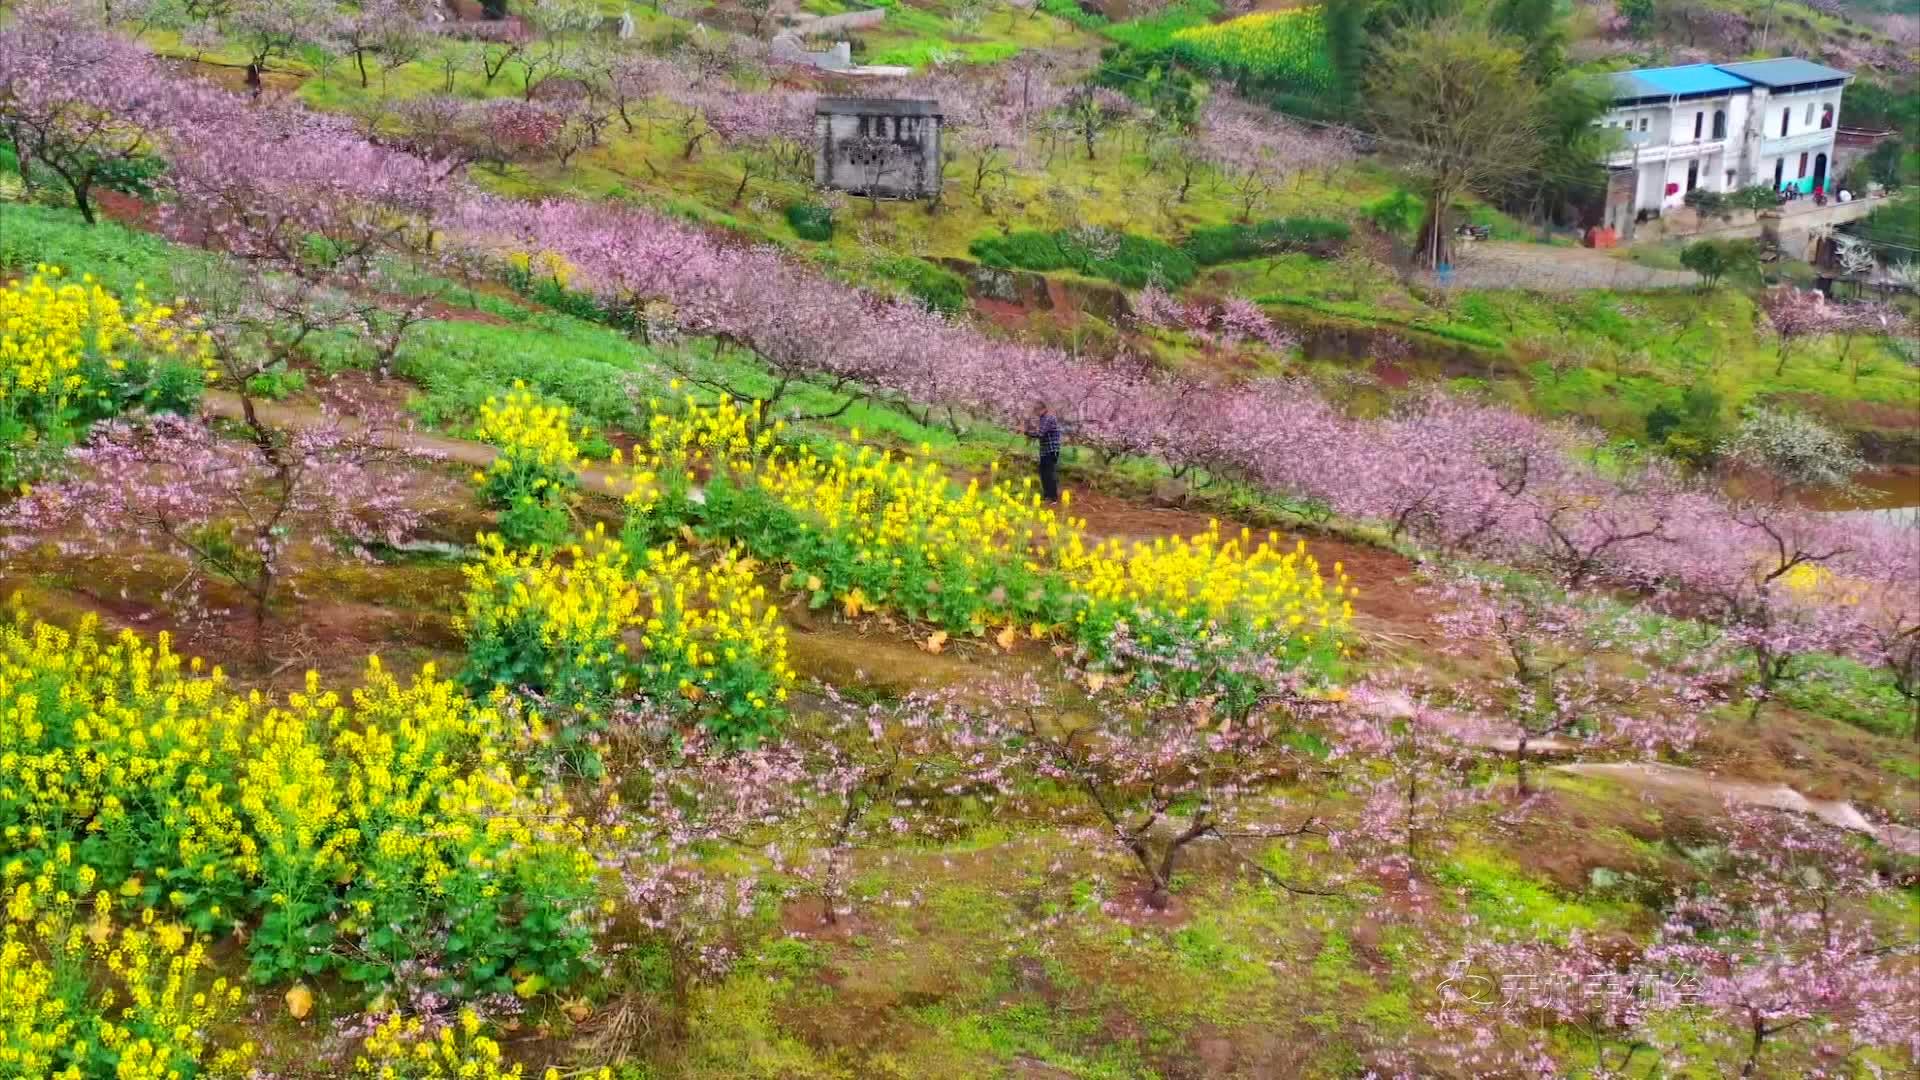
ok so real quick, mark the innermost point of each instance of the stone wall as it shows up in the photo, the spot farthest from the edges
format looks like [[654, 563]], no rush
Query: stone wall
[[882, 147]]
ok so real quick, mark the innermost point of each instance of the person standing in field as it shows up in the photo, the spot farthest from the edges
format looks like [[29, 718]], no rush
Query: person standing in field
[[1044, 428]]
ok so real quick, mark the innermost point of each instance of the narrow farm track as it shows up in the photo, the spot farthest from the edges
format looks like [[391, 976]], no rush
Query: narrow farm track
[[1655, 779]]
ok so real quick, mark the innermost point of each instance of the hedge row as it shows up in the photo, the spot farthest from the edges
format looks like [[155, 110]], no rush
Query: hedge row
[[1227, 243], [1122, 258]]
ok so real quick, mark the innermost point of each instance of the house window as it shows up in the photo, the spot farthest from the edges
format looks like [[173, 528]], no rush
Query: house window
[[1803, 166], [1719, 123], [1826, 117], [1729, 185], [1643, 123], [1786, 115], [1699, 124], [1809, 114]]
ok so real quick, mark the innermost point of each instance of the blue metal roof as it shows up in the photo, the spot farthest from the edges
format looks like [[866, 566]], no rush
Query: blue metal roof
[[1784, 71], [1675, 81]]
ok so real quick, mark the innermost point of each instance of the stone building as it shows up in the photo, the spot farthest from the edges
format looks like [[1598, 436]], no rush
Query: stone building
[[880, 147]]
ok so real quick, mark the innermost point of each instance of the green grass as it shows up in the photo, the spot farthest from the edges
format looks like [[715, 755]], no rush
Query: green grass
[[1503, 895], [117, 256], [1120, 257], [1852, 693], [1155, 32]]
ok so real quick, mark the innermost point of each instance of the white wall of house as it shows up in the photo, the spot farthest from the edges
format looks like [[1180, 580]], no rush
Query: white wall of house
[[1673, 146], [1801, 114], [1678, 137]]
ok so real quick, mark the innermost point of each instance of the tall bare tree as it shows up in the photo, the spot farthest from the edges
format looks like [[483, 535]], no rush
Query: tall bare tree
[[1461, 110]]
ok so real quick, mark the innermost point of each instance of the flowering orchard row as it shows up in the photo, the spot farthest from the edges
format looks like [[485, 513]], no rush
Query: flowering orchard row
[[1464, 477], [863, 530]]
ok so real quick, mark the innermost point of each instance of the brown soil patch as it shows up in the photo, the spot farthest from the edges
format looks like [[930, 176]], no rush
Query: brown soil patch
[[806, 916], [1131, 907], [128, 210], [233, 77], [844, 655]]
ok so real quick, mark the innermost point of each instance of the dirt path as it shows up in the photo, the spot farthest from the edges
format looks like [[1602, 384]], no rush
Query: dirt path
[[1653, 777], [1496, 264]]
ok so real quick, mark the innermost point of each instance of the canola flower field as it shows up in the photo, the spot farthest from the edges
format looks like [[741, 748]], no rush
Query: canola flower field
[[147, 808], [71, 352], [861, 530]]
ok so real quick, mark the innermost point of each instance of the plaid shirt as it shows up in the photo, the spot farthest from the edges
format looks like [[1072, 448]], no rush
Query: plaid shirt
[[1047, 430]]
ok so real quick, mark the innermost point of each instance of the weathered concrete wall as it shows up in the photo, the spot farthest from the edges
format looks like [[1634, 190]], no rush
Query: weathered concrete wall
[[1793, 223], [813, 25], [885, 147], [788, 47]]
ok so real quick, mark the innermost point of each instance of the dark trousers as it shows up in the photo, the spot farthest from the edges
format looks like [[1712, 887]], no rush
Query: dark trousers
[[1050, 477]]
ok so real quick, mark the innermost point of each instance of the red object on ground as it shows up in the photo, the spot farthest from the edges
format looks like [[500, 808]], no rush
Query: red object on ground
[[1673, 189]]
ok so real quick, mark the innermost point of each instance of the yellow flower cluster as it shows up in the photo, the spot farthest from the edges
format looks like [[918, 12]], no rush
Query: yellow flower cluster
[[198, 800], [152, 1020], [405, 1049], [568, 611], [592, 621], [692, 437], [547, 264], [62, 342], [1268, 585], [867, 527], [530, 434], [710, 631], [900, 507]]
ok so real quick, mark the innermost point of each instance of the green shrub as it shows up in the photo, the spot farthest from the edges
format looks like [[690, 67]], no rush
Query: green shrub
[[1709, 203], [1687, 428], [1225, 243], [1715, 259], [811, 221], [530, 522], [941, 290], [1754, 197], [276, 384], [1123, 258], [1397, 214]]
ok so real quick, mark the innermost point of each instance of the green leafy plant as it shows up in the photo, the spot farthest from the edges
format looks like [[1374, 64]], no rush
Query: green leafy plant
[[1123, 258], [811, 221], [1226, 243], [942, 290]]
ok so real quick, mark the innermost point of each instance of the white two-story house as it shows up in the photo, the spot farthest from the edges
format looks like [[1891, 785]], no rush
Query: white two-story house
[[1721, 127]]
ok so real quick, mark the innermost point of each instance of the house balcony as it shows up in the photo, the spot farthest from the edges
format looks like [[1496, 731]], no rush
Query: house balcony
[[1798, 142], [1653, 153]]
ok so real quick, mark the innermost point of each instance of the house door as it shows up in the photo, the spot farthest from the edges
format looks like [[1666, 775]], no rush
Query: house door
[[1693, 175], [1820, 171], [1779, 172]]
